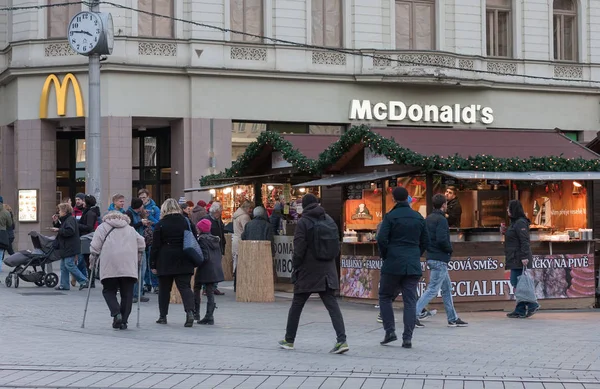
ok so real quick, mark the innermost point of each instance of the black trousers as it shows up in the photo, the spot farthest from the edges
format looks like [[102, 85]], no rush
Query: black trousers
[[109, 291], [390, 286], [330, 302], [184, 285]]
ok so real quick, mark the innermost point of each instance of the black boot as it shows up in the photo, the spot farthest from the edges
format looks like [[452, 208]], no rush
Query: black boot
[[209, 318], [234, 280], [197, 298], [189, 319]]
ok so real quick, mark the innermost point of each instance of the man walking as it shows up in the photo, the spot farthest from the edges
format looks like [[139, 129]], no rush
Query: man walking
[[316, 246], [402, 239], [438, 256]]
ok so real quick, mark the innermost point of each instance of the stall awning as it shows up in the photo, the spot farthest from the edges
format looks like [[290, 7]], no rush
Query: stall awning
[[360, 177], [522, 176], [209, 187]]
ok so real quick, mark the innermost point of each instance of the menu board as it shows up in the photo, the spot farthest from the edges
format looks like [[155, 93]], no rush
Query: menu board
[[28, 205]]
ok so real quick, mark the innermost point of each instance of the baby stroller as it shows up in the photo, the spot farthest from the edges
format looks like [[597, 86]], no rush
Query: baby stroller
[[42, 254]]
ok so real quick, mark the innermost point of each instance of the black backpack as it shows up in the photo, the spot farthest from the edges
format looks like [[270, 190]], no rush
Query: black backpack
[[326, 239]]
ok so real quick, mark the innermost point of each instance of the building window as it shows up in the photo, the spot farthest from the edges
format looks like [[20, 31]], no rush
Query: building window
[[154, 26], [498, 28], [415, 24], [60, 17], [565, 30], [327, 22], [247, 16]]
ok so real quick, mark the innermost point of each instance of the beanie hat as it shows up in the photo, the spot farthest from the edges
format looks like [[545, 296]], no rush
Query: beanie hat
[[400, 194], [136, 203], [80, 196], [201, 203], [309, 199], [204, 225]]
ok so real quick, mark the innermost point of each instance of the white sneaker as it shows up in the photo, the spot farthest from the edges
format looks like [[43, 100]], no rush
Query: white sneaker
[[427, 314]]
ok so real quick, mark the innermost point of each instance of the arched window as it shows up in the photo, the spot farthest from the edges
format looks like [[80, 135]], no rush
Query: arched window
[[498, 28], [565, 30]]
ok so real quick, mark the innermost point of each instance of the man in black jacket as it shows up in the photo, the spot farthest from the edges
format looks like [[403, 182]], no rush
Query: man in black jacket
[[453, 210], [438, 257]]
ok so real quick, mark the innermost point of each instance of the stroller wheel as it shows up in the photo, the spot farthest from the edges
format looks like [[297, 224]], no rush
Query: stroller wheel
[[8, 280], [51, 280], [41, 282], [16, 281]]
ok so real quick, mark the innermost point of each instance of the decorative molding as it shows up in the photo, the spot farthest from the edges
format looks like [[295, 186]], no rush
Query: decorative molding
[[382, 60], [8, 58], [161, 49], [467, 64], [568, 71], [248, 53], [328, 58], [426, 59], [58, 50], [502, 67]]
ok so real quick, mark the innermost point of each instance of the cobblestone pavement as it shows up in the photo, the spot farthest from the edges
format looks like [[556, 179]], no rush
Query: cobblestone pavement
[[42, 344]]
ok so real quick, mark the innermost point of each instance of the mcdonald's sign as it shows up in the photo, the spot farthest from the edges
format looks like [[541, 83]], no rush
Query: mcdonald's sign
[[61, 92]]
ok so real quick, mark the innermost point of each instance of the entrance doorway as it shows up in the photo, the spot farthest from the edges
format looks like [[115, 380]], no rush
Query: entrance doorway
[[151, 157], [70, 164]]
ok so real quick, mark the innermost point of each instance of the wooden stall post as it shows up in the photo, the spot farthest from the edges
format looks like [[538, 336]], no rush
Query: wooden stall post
[[255, 282], [227, 259]]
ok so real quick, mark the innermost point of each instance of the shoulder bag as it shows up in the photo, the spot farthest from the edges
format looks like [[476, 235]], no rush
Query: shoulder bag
[[191, 248]]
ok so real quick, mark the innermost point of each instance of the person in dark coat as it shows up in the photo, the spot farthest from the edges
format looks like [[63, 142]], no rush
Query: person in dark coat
[[277, 216], [215, 212], [169, 263], [311, 275], [87, 224], [198, 212], [210, 273], [402, 240], [259, 228], [69, 246], [453, 207], [517, 251]]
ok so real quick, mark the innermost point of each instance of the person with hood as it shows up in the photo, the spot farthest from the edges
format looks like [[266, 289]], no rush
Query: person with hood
[[198, 212], [153, 215], [69, 246], [6, 223], [313, 273], [121, 248], [209, 274], [138, 222], [87, 224], [240, 218], [517, 251]]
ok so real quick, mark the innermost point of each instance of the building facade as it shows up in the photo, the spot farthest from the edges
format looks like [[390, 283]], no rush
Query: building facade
[[183, 94]]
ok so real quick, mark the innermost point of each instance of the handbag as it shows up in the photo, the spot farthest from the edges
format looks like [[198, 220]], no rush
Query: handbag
[[191, 248]]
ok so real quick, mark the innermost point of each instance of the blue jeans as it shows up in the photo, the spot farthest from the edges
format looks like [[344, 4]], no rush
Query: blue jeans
[[136, 286], [439, 279], [81, 265], [67, 265], [522, 307], [149, 277], [2, 254]]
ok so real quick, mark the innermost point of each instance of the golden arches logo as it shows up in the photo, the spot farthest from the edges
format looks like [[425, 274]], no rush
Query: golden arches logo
[[61, 92]]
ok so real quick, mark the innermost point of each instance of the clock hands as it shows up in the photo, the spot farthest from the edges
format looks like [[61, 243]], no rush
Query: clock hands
[[82, 32]]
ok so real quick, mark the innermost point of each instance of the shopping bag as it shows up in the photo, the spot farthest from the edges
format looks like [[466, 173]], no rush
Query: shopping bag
[[525, 290]]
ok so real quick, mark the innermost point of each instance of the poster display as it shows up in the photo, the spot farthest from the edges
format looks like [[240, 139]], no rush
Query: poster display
[[284, 249], [482, 278], [28, 205]]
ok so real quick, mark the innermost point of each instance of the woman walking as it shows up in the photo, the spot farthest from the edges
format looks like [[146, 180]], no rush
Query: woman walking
[[517, 250], [69, 246], [169, 262], [210, 273], [121, 248]]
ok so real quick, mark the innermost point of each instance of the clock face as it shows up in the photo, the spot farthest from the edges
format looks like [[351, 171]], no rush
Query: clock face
[[85, 31]]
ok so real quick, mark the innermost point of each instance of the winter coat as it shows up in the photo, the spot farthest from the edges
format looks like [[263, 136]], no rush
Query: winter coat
[[402, 239], [240, 218], [440, 247], [217, 229], [120, 250], [11, 229], [259, 228], [112, 207], [516, 244], [135, 221], [69, 244], [153, 211], [310, 274], [211, 271], [6, 220], [276, 217], [454, 212], [88, 220], [166, 255], [198, 213]]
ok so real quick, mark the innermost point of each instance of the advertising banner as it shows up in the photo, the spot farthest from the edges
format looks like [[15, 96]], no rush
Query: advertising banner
[[284, 249]]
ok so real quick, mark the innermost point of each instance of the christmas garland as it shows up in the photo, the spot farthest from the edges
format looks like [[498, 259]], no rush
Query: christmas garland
[[267, 138]]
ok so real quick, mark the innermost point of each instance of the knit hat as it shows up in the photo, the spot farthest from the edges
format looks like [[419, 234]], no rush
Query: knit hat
[[201, 203], [309, 199], [80, 196], [400, 194], [136, 203], [204, 225]]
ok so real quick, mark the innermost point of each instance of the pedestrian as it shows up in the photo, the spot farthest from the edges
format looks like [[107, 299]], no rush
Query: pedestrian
[[169, 262], [259, 228], [240, 218], [402, 239], [87, 224], [121, 248], [153, 216], [69, 246], [137, 216], [215, 214], [209, 273], [11, 231], [198, 212], [517, 251], [6, 222], [316, 247], [439, 252], [118, 203]]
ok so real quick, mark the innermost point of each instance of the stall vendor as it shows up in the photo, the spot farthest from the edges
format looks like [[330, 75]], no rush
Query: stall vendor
[[454, 210]]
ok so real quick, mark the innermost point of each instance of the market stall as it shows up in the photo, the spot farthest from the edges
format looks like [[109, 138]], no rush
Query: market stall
[[555, 191]]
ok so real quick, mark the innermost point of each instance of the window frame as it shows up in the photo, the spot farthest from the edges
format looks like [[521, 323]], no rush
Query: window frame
[[558, 34], [496, 10], [412, 23], [233, 37], [153, 18], [324, 32], [49, 19]]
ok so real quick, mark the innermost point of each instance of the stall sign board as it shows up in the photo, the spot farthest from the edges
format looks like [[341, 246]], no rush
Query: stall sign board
[[277, 160], [284, 250], [28, 205], [482, 278], [373, 159]]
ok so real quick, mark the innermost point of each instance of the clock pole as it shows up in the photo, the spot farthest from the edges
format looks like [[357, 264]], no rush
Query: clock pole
[[93, 163]]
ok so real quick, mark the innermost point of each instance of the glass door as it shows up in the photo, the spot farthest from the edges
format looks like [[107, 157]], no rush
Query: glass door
[[151, 160]]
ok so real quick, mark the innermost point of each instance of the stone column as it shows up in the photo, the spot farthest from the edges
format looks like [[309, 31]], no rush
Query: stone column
[[116, 159]]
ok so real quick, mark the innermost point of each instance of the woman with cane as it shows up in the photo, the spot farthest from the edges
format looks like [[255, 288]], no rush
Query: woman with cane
[[121, 247]]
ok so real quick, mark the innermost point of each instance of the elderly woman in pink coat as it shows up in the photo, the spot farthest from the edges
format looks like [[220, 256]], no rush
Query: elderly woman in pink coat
[[120, 248]]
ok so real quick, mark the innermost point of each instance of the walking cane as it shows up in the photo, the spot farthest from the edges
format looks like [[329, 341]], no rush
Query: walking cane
[[140, 281], [87, 300]]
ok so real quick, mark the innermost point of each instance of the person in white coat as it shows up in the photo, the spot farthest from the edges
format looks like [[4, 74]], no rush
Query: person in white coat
[[120, 248], [240, 218]]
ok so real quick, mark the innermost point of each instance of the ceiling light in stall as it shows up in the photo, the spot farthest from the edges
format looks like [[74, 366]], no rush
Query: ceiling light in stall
[[227, 190], [302, 190], [212, 192], [239, 190], [270, 187]]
